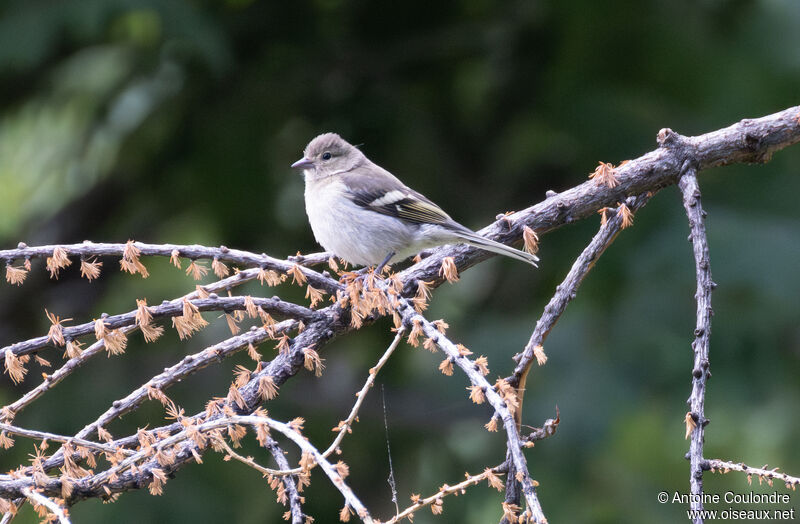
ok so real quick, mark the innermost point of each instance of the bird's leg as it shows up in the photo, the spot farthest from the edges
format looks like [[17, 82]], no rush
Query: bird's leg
[[369, 276], [383, 264], [366, 274]]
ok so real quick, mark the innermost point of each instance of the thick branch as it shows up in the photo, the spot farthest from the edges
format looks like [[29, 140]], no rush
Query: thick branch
[[748, 141]]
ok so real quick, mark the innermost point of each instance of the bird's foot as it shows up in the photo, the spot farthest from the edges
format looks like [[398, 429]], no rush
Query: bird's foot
[[364, 278]]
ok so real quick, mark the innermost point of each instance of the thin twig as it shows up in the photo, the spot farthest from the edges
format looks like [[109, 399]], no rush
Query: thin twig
[[345, 426], [172, 375], [455, 489], [193, 252], [39, 499], [564, 294], [763, 474], [60, 374], [43, 435], [411, 316], [547, 430], [391, 480], [696, 420], [248, 461], [566, 291], [306, 447], [295, 500], [173, 308]]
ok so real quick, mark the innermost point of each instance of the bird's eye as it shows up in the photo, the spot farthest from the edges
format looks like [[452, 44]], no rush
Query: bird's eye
[[326, 155]]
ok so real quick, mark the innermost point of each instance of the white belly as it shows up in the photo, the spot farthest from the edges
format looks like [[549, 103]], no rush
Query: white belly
[[353, 233]]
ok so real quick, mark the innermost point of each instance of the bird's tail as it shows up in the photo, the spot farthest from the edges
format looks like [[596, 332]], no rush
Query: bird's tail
[[474, 239]]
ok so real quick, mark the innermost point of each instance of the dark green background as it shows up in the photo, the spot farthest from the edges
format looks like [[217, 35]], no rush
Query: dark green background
[[176, 121]]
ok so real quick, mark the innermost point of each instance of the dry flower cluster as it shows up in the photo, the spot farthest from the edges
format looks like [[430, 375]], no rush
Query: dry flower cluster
[[93, 463]]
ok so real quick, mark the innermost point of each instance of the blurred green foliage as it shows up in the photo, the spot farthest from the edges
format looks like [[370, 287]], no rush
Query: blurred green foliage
[[175, 121]]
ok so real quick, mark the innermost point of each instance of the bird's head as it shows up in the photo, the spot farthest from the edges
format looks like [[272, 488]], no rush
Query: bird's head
[[328, 155]]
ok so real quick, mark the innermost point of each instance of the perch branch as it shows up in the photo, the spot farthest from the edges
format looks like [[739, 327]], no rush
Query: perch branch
[[747, 141]]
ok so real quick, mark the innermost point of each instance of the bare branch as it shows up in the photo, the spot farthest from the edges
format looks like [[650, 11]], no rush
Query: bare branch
[[39, 499], [294, 499], [547, 430], [9, 516], [455, 489], [695, 419], [238, 257], [174, 374], [43, 435], [748, 141], [306, 447], [173, 308], [568, 288], [121, 477], [298, 517], [410, 316], [60, 374], [763, 474], [564, 294], [345, 426], [170, 376]]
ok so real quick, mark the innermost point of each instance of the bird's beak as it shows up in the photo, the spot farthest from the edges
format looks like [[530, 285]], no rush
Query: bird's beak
[[303, 163]]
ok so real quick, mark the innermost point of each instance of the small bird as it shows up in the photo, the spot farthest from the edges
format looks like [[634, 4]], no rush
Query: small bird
[[363, 214]]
